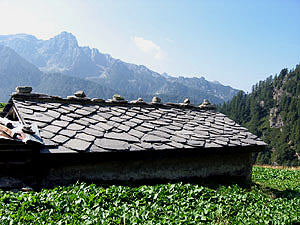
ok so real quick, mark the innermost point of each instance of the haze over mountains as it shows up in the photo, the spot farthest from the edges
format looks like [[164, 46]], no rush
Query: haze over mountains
[[59, 66]]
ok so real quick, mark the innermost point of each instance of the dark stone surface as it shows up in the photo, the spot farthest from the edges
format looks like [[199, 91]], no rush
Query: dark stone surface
[[136, 133], [75, 126], [77, 144], [124, 126], [93, 132], [68, 133], [60, 139], [85, 137], [60, 123], [46, 134], [111, 144], [52, 128], [121, 136], [154, 139]]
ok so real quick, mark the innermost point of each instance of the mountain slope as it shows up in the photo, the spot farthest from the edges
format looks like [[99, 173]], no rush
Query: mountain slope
[[62, 54], [58, 54], [63, 85], [16, 71], [272, 111]]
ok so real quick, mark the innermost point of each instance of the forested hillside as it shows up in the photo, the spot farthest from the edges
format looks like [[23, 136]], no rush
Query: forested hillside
[[272, 111]]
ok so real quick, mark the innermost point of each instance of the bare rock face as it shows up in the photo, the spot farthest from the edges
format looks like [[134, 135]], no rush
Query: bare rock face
[[275, 118]]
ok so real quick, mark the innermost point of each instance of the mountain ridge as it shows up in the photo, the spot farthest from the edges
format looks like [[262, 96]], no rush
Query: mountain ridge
[[17, 71], [62, 54]]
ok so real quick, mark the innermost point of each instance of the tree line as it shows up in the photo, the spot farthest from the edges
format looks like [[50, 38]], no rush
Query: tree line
[[272, 112]]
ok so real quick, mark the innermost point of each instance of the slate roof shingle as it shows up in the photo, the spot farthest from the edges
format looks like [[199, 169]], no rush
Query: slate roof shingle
[[70, 125]]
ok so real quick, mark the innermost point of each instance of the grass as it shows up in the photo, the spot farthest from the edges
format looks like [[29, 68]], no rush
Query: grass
[[273, 199], [2, 105], [280, 167]]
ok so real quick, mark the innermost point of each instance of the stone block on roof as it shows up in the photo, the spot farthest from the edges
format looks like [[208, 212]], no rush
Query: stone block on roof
[[153, 139], [121, 136], [124, 128], [82, 122], [105, 115], [77, 144], [60, 139], [26, 111], [197, 143], [38, 117], [111, 144], [66, 118], [136, 133], [75, 127], [49, 143], [94, 132], [46, 134], [160, 134], [85, 137], [52, 128], [130, 124], [59, 149], [52, 113], [178, 139], [68, 133], [82, 112]]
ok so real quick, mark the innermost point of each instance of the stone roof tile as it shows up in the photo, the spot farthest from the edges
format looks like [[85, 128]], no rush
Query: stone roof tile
[[60, 139], [111, 144], [77, 144], [68, 133], [59, 149], [49, 143], [112, 126], [52, 128], [46, 134], [153, 138], [136, 133], [85, 137], [93, 132], [75, 127], [121, 136], [66, 118], [143, 129], [60, 123], [124, 127]]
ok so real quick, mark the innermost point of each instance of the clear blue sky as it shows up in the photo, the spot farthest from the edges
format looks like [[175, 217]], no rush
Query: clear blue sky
[[236, 42]]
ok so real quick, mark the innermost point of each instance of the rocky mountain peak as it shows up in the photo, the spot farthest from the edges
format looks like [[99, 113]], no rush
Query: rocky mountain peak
[[66, 38]]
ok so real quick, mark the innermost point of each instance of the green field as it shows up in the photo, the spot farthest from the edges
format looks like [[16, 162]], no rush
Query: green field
[[273, 199]]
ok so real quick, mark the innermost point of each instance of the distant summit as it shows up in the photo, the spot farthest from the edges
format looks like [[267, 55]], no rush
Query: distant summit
[[59, 54], [17, 71], [62, 54]]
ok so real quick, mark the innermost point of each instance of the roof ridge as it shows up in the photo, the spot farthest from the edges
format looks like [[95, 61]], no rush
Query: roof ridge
[[80, 98]]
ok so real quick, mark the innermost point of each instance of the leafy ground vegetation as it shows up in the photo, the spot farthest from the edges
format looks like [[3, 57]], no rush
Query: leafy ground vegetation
[[273, 199], [2, 105]]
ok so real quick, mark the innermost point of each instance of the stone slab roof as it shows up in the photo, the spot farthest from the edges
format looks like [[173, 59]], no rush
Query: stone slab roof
[[79, 124]]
